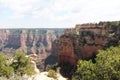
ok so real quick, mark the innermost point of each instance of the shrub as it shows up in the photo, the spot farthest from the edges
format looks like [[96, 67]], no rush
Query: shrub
[[107, 66], [22, 64], [5, 69], [52, 74], [19, 64]]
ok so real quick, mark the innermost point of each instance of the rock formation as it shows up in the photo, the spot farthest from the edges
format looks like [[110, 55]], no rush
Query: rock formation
[[23, 38], [84, 41]]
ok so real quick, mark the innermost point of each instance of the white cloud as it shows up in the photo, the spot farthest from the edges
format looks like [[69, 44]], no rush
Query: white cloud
[[17, 16], [20, 7], [1, 25], [64, 12]]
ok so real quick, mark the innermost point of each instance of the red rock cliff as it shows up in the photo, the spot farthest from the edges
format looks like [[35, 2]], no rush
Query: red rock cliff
[[84, 41]]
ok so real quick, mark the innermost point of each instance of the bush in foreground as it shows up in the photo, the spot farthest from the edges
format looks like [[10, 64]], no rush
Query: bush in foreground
[[22, 64], [107, 66], [5, 69], [52, 74], [18, 64]]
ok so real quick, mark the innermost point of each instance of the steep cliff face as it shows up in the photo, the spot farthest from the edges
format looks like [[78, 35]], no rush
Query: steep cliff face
[[23, 39], [50, 37], [66, 50], [84, 41]]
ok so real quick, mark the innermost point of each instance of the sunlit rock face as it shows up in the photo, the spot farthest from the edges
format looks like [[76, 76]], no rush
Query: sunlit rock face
[[84, 41]]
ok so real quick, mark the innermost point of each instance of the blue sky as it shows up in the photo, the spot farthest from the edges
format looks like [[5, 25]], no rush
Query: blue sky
[[56, 13]]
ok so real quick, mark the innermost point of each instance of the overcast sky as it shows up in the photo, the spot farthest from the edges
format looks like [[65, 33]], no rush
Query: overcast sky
[[56, 13]]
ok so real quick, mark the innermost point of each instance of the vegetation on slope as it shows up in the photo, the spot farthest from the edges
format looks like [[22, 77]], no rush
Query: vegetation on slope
[[107, 66], [17, 64], [5, 69]]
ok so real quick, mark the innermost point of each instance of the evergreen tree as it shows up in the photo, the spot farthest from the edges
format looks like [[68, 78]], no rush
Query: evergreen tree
[[107, 66], [22, 64], [5, 69]]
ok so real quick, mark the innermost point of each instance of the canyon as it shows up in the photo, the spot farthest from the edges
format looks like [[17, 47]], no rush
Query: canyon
[[39, 44], [47, 47]]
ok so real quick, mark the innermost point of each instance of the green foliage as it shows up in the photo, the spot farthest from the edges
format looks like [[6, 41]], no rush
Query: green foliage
[[85, 71], [22, 64], [107, 66], [109, 24], [5, 68], [52, 74], [18, 64]]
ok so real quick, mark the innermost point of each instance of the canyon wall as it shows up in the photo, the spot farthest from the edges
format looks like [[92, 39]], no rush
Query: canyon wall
[[30, 41], [84, 41]]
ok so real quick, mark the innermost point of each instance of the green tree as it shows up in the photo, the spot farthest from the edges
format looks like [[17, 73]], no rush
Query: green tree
[[22, 64], [107, 66], [85, 70], [5, 69]]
